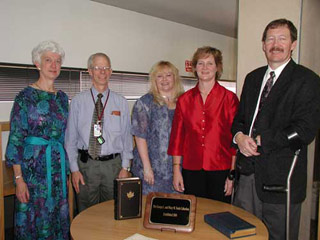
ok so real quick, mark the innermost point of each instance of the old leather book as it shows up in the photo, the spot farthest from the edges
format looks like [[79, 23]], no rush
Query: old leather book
[[127, 198]]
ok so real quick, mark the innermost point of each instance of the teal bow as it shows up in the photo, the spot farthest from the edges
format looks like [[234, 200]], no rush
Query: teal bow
[[52, 142]]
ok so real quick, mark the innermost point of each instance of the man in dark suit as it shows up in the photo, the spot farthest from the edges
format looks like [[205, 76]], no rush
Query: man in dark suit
[[278, 113]]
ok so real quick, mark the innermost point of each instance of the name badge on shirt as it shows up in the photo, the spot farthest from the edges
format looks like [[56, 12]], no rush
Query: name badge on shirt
[[100, 140], [97, 129]]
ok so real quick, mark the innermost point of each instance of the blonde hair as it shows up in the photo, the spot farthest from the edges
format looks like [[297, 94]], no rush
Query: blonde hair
[[178, 88]]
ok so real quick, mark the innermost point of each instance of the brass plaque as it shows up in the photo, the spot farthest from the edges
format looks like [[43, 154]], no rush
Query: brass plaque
[[173, 212], [170, 211]]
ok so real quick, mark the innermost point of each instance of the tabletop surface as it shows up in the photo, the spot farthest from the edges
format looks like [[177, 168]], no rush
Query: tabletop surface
[[97, 222]]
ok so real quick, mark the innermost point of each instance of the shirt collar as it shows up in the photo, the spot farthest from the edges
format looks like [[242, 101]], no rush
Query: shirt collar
[[95, 92], [197, 91], [276, 71]]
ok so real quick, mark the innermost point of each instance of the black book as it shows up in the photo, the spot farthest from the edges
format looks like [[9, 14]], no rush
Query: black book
[[230, 225], [127, 198]]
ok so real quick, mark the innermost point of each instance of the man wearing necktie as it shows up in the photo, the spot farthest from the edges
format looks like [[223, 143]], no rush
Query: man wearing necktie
[[277, 100], [98, 139]]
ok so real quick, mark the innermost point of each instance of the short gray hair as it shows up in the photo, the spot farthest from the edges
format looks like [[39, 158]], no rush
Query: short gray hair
[[46, 46], [93, 56]]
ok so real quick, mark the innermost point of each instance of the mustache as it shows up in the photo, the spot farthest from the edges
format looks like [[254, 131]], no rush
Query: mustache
[[276, 49]]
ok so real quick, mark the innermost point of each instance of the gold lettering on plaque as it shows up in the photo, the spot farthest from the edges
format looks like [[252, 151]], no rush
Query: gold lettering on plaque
[[170, 214], [171, 207]]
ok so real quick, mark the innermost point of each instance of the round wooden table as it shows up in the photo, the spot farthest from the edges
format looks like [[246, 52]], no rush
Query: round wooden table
[[97, 222]]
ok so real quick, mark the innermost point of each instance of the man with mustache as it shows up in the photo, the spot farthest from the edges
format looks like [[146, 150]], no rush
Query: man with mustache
[[278, 114]]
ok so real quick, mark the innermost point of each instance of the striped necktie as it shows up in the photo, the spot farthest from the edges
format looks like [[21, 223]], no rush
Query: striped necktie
[[94, 146], [264, 95]]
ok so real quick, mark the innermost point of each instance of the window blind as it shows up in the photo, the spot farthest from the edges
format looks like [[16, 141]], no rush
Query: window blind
[[130, 85], [13, 78]]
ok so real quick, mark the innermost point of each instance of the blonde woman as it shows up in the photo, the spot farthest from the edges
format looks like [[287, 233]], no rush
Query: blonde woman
[[152, 117]]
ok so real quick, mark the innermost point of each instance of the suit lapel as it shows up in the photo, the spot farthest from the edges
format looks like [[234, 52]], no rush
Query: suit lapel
[[255, 91], [281, 85]]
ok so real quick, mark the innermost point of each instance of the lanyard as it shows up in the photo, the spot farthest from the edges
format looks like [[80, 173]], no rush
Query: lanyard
[[104, 106]]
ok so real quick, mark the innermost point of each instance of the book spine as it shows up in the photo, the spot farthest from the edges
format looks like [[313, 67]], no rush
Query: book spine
[[218, 226], [116, 200]]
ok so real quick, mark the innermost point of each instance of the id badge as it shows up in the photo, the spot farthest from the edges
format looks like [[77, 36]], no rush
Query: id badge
[[100, 140], [97, 130]]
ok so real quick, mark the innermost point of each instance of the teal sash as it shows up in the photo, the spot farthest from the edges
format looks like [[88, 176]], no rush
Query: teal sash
[[49, 143]]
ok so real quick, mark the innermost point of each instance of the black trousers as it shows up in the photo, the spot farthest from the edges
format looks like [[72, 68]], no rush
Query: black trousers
[[207, 184]]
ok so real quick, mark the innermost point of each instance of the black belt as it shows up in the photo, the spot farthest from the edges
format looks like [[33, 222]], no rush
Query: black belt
[[84, 155], [105, 157]]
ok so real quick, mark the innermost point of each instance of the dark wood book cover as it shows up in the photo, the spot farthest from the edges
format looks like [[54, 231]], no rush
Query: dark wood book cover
[[230, 225], [170, 212], [127, 198]]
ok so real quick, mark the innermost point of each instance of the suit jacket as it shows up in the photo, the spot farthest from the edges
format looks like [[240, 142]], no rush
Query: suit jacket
[[293, 103]]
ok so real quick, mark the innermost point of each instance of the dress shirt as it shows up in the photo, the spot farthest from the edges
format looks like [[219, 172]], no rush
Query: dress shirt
[[201, 132], [116, 126], [277, 73]]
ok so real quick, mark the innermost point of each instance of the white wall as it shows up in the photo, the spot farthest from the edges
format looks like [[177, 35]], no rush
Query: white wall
[[254, 16], [133, 41], [5, 109], [310, 35]]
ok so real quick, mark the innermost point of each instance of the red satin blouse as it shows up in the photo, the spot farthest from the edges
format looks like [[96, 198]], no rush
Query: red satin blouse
[[201, 133]]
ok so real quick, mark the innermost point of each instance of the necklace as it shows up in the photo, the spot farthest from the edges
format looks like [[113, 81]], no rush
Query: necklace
[[166, 98], [37, 85], [169, 101]]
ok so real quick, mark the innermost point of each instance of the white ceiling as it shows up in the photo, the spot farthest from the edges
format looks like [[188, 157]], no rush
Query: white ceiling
[[219, 16]]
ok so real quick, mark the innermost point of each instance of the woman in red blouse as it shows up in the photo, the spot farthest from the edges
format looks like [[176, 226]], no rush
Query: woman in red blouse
[[201, 132]]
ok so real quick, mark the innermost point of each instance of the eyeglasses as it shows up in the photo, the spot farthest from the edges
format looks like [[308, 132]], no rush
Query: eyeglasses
[[97, 68]]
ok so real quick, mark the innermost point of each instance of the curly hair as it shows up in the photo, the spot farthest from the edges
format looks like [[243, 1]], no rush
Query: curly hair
[[46, 46]]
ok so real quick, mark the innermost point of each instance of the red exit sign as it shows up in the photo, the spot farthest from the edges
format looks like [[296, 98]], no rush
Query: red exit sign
[[188, 65]]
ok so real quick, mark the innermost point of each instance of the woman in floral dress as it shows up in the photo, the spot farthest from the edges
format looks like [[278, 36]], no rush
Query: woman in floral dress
[[152, 117], [35, 150]]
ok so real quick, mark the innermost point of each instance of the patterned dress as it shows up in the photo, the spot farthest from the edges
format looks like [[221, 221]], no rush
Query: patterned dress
[[38, 122], [152, 122]]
